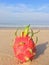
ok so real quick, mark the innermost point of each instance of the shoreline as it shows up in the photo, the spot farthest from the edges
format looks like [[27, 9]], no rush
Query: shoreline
[[44, 28]]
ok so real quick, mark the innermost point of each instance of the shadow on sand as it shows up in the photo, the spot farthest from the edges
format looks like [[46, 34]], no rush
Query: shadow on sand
[[40, 49]]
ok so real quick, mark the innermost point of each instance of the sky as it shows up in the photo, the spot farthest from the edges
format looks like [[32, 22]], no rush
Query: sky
[[24, 12]]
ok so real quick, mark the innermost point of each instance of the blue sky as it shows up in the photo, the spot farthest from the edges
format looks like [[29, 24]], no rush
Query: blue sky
[[23, 12]]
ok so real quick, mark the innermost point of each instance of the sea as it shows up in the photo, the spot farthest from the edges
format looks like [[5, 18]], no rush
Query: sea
[[22, 26]]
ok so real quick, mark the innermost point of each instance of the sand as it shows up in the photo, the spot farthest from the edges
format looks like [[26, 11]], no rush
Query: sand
[[6, 47]]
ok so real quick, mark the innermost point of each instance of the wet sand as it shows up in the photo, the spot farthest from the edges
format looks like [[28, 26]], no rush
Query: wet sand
[[6, 50]]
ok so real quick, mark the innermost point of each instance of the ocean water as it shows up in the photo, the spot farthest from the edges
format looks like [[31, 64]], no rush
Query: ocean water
[[8, 25], [22, 26]]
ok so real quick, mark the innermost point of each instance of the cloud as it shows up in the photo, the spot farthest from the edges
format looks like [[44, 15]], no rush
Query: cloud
[[44, 8], [23, 14]]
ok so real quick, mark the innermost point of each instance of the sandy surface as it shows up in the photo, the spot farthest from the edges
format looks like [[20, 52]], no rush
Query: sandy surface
[[6, 50]]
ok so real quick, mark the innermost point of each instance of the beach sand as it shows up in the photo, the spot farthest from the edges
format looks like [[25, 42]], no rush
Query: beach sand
[[7, 57]]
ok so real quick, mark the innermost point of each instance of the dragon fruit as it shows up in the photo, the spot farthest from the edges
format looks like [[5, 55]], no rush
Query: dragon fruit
[[24, 46]]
